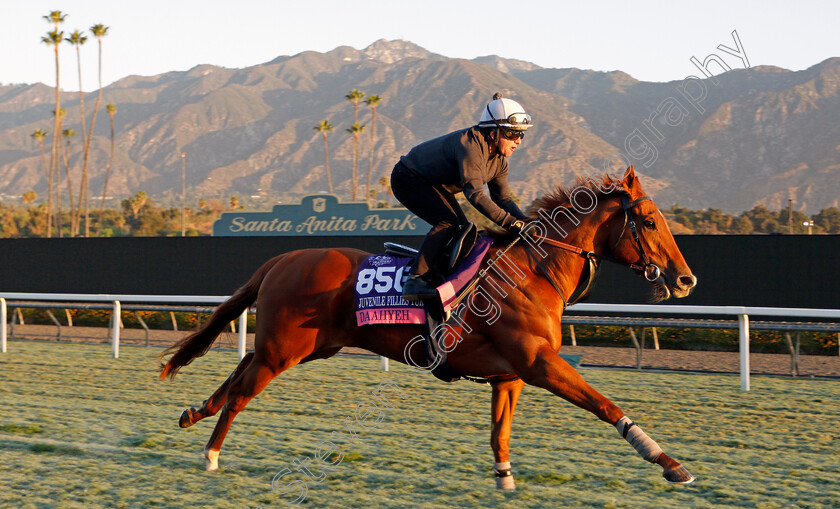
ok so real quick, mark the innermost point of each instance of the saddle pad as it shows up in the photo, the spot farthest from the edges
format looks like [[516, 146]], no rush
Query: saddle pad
[[378, 292], [379, 280], [450, 290]]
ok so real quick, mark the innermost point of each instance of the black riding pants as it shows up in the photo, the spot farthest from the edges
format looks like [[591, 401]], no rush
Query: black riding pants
[[433, 204]]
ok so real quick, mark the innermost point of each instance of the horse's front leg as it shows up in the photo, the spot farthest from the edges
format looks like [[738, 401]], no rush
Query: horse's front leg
[[505, 395], [541, 367]]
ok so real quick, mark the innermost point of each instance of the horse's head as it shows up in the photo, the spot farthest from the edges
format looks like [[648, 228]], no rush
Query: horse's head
[[642, 238]]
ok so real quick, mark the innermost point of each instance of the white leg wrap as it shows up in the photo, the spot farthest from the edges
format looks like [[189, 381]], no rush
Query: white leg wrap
[[644, 445], [211, 460], [504, 479]]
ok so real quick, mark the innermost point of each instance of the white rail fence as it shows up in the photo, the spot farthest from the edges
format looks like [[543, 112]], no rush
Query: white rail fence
[[743, 314], [116, 305]]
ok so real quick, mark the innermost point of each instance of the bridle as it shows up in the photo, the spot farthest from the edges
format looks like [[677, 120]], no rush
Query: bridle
[[650, 270]]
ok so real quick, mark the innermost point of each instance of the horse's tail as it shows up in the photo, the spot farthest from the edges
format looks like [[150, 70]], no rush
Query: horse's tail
[[196, 344]]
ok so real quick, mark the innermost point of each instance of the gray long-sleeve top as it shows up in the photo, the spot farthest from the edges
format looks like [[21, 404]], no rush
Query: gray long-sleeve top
[[461, 161]]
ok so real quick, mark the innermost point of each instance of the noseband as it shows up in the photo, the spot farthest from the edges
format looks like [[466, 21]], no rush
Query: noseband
[[649, 269]]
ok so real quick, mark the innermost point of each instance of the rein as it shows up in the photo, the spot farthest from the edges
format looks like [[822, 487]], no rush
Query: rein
[[545, 272], [650, 270]]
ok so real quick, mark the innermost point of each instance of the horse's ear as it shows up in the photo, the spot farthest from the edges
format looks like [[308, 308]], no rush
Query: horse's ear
[[629, 177]]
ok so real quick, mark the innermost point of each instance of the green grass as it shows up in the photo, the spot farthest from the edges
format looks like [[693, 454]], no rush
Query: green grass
[[28, 429], [80, 429]]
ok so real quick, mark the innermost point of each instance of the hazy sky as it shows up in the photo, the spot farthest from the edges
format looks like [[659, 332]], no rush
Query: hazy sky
[[650, 40]]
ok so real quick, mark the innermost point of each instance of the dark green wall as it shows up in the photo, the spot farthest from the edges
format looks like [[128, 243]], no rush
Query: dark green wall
[[752, 270]]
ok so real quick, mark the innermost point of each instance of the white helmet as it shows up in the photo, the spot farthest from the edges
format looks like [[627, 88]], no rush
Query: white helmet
[[505, 113]]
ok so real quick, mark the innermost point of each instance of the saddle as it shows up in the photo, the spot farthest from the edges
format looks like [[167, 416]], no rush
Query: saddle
[[457, 249]]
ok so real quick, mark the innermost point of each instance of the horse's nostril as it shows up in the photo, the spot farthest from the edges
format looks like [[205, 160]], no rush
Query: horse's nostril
[[687, 281]]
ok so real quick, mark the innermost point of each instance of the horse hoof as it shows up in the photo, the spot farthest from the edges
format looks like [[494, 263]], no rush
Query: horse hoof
[[211, 460], [505, 483], [679, 475], [186, 419]]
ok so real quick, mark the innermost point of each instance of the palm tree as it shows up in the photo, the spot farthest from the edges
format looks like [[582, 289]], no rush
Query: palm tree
[[99, 31], [55, 17], [55, 170], [372, 101], [67, 133], [355, 129], [324, 127], [354, 96], [77, 39], [28, 197], [54, 38], [111, 111], [386, 188], [135, 203], [64, 153], [39, 134]]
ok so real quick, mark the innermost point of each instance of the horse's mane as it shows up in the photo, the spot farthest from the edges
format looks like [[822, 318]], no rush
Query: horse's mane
[[561, 197]]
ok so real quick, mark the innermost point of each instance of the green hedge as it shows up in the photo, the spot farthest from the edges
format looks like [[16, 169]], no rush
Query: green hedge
[[673, 338], [102, 318]]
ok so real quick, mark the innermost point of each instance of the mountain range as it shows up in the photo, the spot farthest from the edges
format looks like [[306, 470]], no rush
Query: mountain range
[[764, 135]]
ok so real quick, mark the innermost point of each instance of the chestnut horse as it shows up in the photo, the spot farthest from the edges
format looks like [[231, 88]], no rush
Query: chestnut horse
[[306, 312]]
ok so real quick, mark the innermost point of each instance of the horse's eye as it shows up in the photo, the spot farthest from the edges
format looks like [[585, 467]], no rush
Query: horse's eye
[[649, 224]]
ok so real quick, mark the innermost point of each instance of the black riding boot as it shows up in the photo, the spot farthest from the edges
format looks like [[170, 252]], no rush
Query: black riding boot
[[423, 276], [418, 288]]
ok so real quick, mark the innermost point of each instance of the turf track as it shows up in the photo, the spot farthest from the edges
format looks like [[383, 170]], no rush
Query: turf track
[[80, 429]]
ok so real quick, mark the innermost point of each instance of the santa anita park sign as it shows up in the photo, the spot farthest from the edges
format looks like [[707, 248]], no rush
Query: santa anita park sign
[[320, 215]]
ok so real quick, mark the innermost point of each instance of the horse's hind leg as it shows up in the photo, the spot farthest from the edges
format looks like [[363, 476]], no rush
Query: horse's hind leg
[[212, 404], [551, 372], [250, 382], [505, 395]]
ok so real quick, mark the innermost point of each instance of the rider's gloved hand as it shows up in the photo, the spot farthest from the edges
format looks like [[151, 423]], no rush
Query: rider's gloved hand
[[517, 226]]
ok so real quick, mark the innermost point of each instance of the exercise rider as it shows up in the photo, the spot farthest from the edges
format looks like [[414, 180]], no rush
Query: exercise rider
[[427, 179]]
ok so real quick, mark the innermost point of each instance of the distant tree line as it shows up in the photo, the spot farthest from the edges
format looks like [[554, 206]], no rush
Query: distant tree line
[[759, 219], [140, 216]]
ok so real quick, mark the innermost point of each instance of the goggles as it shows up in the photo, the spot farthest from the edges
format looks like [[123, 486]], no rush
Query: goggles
[[519, 119], [512, 134]]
